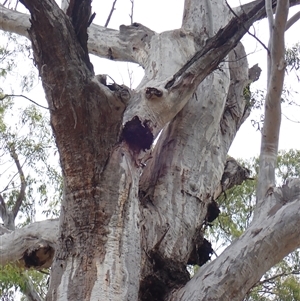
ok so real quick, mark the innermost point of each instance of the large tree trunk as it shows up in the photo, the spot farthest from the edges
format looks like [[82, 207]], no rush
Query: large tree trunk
[[132, 218]]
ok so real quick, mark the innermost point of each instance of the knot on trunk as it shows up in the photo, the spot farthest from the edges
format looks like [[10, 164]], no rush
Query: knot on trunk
[[234, 174], [153, 93]]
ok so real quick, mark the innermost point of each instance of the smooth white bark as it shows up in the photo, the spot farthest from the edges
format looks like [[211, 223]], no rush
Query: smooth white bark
[[103, 42], [270, 132], [264, 243]]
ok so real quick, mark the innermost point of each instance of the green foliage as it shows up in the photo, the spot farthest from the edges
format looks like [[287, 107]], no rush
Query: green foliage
[[33, 143], [13, 278], [236, 207], [25, 136], [14, 52], [10, 277], [292, 57], [288, 165]]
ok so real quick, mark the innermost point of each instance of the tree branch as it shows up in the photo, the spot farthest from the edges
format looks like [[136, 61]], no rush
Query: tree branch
[[216, 48], [251, 34], [270, 238], [110, 13], [270, 133], [248, 6], [102, 42], [188, 193], [14, 95], [80, 13], [266, 280], [21, 194], [31, 246], [269, 13], [131, 13], [292, 20]]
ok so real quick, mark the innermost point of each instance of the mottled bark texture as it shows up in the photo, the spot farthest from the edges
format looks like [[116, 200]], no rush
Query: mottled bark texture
[[133, 214]]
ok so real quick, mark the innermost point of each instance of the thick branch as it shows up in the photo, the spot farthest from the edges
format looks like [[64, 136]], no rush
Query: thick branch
[[216, 48], [189, 158], [248, 6], [33, 245], [80, 12], [103, 42], [292, 20], [243, 263], [175, 92], [13, 21], [270, 134]]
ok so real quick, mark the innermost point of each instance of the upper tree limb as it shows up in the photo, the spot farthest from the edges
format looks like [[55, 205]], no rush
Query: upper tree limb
[[103, 42]]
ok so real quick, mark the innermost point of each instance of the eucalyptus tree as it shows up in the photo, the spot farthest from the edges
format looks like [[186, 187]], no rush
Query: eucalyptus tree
[[133, 216]]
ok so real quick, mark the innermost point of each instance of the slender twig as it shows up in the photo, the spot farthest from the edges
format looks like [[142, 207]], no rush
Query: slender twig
[[131, 14], [294, 272], [130, 75], [14, 95], [21, 195], [16, 4], [251, 34], [289, 119], [110, 14]]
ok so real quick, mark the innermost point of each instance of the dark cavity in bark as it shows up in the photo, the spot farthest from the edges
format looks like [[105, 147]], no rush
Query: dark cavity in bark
[[201, 253], [137, 135], [38, 258], [166, 274], [213, 212]]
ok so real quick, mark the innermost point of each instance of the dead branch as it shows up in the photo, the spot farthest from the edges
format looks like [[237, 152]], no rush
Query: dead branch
[[14, 95], [252, 35], [110, 14], [131, 14]]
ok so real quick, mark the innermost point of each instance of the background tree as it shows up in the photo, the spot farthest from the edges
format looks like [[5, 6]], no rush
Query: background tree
[[130, 220], [28, 178]]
